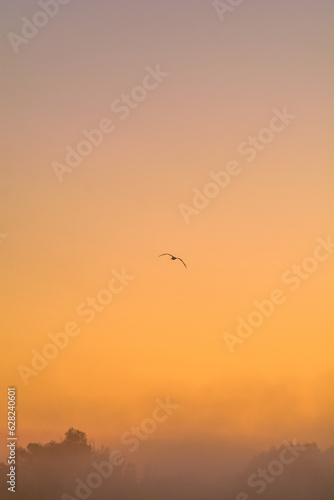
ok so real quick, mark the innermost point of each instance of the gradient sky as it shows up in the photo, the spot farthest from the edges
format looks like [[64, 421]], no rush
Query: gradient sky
[[120, 209]]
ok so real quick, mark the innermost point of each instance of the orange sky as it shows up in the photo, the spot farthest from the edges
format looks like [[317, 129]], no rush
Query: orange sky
[[162, 335]]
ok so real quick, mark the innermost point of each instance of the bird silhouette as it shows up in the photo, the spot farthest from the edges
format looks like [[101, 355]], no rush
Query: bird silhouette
[[174, 258]]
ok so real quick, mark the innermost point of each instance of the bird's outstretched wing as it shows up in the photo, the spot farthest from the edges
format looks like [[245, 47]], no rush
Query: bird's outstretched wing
[[166, 254], [182, 262]]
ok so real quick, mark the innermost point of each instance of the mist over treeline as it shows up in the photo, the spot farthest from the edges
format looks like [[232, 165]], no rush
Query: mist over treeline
[[74, 469]]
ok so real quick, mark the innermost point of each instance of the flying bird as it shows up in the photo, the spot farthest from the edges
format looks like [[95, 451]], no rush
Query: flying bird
[[173, 258]]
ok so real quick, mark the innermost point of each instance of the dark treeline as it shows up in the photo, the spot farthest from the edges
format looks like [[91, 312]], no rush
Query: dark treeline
[[73, 469]]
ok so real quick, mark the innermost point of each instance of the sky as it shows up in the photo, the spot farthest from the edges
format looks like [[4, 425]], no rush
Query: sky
[[202, 88]]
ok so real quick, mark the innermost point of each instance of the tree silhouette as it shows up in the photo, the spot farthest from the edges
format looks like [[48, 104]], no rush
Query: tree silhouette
[[52, 472], [73, 437]]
